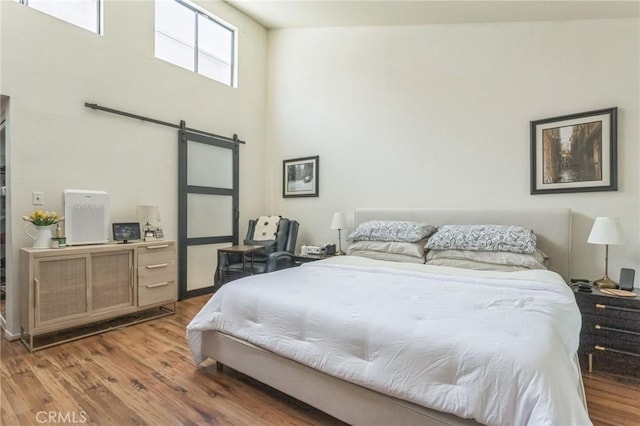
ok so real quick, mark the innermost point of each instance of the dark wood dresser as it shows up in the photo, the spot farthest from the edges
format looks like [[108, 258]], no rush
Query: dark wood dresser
[[610, 336]]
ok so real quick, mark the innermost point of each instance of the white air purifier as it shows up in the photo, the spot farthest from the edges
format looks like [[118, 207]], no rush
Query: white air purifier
[[86, 217]]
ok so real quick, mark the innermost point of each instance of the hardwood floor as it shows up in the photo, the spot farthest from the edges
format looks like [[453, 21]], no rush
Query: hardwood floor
[[143, 375], [612, 400]]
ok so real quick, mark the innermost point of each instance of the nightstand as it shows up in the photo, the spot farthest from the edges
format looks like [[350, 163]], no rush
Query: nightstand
[[610, 335], [304, 258]]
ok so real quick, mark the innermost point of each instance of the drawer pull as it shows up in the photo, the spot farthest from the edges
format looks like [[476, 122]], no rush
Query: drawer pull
[[158, 246], [617, 330], [36, 299], [158, 284], [157, 265], [617, 351], [617, 308]]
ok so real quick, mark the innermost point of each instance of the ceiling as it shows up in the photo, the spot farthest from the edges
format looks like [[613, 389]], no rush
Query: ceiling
[[322, 13]]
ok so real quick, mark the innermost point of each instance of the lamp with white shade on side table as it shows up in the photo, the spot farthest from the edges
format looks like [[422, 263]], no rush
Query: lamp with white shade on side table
[[607, 231], [339, 222]]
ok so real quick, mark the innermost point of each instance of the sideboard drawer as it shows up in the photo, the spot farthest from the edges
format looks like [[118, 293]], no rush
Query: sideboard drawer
[[151, 293], [157, 272], [156, 254]]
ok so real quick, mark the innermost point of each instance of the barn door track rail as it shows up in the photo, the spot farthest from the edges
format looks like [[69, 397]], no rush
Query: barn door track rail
[[181, 126]]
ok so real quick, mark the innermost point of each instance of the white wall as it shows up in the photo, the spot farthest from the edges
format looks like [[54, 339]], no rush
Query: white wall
[[438, 116], [400, 116], [50, 68]]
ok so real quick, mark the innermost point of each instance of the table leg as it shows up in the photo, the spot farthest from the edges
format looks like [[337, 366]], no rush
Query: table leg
[[220, 266]]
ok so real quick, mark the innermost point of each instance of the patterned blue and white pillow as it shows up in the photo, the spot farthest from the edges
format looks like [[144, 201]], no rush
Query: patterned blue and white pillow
[[508, 238], [391, 230]]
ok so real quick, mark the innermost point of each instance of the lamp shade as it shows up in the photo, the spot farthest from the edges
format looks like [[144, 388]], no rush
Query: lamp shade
[[148, 214], [338, 221], [606, 230]]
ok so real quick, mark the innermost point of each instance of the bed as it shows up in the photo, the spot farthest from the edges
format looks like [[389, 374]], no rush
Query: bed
[[385, 371]]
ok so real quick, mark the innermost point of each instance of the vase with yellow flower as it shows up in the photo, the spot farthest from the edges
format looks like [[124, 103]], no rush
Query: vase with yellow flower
[[42, 221]]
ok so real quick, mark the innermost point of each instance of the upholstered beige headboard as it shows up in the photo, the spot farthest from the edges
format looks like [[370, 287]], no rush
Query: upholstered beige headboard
[[552, 226]]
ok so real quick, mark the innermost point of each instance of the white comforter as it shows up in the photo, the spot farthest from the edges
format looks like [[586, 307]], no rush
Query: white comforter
[[497, 347]]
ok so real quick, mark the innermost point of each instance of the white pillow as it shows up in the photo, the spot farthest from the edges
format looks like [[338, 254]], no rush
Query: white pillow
[[393, 257], [409, 249], [537, 260], [470, 264]]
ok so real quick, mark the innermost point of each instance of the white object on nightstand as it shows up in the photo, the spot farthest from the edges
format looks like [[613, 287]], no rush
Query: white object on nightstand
[[606, 230], [339, 222]]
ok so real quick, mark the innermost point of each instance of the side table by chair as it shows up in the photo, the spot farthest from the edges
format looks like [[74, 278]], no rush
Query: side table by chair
[[223, 261]]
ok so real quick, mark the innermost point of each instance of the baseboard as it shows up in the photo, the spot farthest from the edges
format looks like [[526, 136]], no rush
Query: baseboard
[[6, 334]]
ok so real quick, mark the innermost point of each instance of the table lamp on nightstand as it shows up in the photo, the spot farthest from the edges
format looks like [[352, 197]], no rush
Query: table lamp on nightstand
[[339, 222], [606, 230]]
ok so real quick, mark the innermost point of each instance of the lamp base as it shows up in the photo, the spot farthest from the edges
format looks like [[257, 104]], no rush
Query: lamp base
[[340, 253], [605, 282]]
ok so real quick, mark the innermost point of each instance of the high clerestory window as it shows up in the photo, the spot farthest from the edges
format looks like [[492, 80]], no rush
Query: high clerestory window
[[192, 38], [83, 13]]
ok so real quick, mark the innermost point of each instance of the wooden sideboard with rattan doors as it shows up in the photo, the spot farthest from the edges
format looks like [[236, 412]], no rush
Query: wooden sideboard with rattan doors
[[72, 292]]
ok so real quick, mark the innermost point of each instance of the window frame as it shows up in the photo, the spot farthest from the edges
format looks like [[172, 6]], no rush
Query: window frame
[[99, 18], [200, 12]]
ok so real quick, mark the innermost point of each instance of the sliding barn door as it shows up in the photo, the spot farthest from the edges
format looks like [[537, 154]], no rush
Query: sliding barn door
[[207, 208]]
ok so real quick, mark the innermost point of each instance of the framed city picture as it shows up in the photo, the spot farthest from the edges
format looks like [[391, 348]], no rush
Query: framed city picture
[[300, 177], [575, 153]]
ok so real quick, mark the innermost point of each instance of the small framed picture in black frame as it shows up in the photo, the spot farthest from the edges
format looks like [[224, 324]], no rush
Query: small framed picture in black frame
[[125, 232], [575, 153], [300, 177]]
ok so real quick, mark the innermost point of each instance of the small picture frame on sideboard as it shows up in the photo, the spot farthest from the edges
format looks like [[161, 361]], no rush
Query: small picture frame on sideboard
[[155, 235]]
